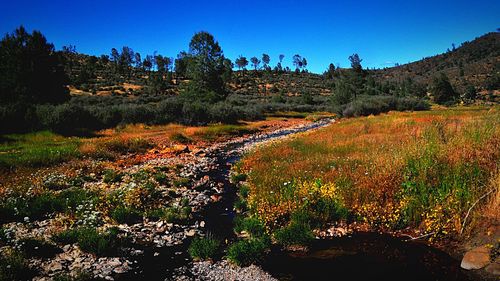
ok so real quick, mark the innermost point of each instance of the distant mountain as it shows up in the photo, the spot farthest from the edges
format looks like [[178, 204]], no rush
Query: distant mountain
[[474, 63]]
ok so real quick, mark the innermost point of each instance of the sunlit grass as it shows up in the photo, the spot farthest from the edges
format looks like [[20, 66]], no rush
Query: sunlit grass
[[421, 169]]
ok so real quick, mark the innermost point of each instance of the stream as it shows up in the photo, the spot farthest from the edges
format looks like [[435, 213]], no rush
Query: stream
[[360, 256]]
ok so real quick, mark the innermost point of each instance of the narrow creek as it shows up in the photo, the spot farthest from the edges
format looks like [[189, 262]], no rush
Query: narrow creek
[[360, 256]]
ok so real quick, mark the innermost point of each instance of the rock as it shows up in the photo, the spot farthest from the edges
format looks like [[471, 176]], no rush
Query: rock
[[191, 233], [202, 224], [54, 266], [476, 258], [494, 267]]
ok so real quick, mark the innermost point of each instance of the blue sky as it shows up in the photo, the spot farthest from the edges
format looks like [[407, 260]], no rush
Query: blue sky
[[381, 32]]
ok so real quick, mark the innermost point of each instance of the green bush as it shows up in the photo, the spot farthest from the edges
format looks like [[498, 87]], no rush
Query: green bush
[[90, 240], [251, 225], [33, 247], [127, 215], [236, 178], [204, 248], [294, 234], [111, 176], [14, 266], [247, 252]]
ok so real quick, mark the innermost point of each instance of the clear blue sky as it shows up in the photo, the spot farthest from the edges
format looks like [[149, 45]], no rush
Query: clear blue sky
[[382, 32]]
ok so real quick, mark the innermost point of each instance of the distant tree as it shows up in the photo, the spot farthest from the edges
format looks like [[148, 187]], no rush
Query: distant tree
[[255, 62], [30, 69], [356, 62], [138, 60], [181, 64], [343, 92], [470, 93], [228, 70], [281, 57], [442, 91], [147, 63], [265, 60], [241, 62], [206, 68], [304, 63], [297, 62], [330, 72]]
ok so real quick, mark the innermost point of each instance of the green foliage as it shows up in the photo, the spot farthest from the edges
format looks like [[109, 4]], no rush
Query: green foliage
[[33, 247], [204, 248], [111, 176], [30, 70], [206, 68], [90, 240], [171, 214], [127, 215], [296, 233], [251, 225], [37, 149], [442, 90], [247, 252], [380, 104], [181, 138], [236, 177], [14, 266]]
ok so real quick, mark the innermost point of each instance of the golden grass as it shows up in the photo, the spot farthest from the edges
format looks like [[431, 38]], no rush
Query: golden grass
[[420, 169]]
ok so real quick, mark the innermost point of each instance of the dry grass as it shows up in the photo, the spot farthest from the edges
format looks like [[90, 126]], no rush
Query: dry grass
[[420, 169]]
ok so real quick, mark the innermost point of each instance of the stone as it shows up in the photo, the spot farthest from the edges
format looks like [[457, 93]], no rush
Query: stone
[[191, 233], [476, 258], [494, 267]]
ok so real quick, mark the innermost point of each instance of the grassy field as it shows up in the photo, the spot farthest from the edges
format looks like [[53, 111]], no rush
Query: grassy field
[[45, 148], [422, 170]]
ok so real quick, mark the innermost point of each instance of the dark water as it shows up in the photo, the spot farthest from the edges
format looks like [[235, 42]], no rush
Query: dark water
[[362, 256], [365, 256]]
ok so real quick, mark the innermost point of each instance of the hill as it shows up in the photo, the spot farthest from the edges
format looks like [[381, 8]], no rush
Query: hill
[[475, 63]]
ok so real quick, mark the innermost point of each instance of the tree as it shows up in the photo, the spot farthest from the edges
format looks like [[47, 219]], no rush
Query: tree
[[330, 72], [241, 62], [304, 63], [356, 62], [206, 67], [298, 62], [442, 91], [342, 93], [281, 57], [255, 62], [138, 61], [148, 63], [181, 64], [30, 69], [265, 60]]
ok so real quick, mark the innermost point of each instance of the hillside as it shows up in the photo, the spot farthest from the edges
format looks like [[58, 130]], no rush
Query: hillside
[[474, 63]]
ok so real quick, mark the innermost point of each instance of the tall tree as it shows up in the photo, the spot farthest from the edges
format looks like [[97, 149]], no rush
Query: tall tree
[[265, 60], [206, 68], [255, 62], [298, 62], [30, 69], [356, 62], [241, 62], [442, 91]]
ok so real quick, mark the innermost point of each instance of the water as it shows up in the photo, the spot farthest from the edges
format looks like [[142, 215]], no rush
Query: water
[[365, 256]]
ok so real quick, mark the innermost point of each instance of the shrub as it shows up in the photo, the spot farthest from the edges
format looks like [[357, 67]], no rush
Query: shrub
[[90, 240], [32, 247], [235, 178], [13, 266], [126, 215], [204, 248], [247, 252], [180, 138], [111, 176], [68, 236], [251, 225], [294, 234]]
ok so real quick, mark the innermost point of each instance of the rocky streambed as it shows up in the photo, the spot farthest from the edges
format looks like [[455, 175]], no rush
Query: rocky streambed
[[157, 249]]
